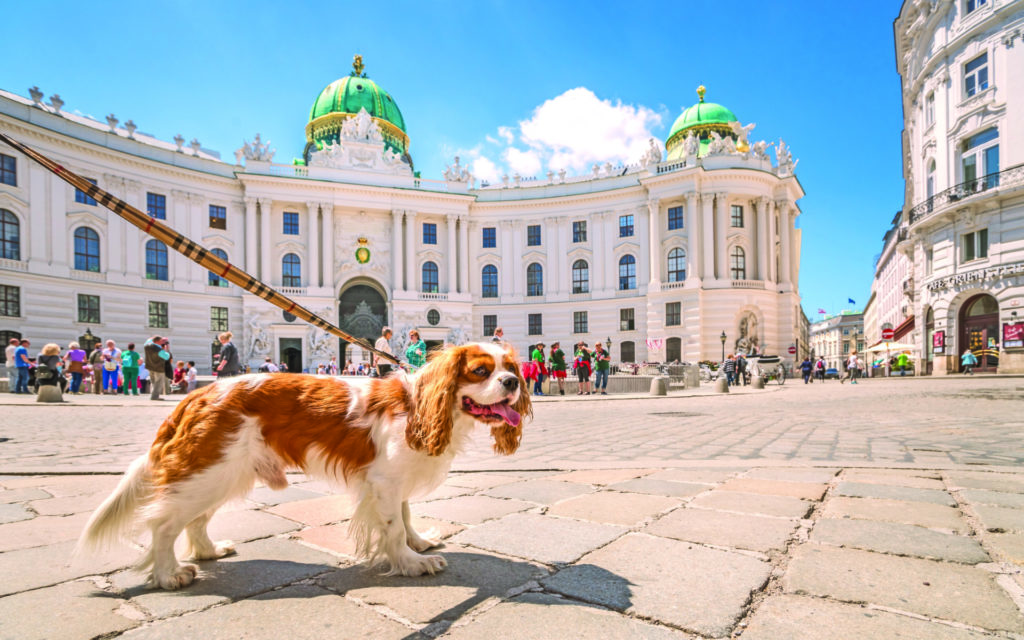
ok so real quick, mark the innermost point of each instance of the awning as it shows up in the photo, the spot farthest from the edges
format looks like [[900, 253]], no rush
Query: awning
[[905, 327]]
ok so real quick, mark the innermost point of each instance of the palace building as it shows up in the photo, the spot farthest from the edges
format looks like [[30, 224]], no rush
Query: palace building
[[666, 259]]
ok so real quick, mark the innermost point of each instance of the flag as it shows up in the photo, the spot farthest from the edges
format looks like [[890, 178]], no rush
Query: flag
[[851, 301], [822, 311]]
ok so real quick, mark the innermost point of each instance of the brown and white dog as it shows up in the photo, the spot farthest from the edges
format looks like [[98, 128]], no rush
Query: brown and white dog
[[386, 440]]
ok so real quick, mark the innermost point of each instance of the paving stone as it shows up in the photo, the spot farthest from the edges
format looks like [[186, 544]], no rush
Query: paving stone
[[990, 481], [36, 567], [1008, 547], [480, 480], [922, 514], [73, 611], [939, 589], [909, 479], [541, 491], [266, 496], [666, 580], [25, 494], [445, 491], [803, 490], [316, 511], [334, 538], [995, 519], [787, 617], [613, 507], [541, 616], [700, 476], [865, 490], [781, 506], [900, 539], [719, 528], [602, 477], [544, 539], [238, 526], [994, 498], [792, 475], [300, 612], [470, 578], [14, 513], [69, 505], [660, 487], [67, 486], [41, 531], [470, 509]]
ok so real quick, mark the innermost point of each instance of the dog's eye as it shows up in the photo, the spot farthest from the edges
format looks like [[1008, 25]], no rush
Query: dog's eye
[[481, 371]]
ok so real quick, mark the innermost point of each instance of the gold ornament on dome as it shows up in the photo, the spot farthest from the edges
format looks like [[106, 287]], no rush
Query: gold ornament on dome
[[701, 90], [357, 65], [363, 252]]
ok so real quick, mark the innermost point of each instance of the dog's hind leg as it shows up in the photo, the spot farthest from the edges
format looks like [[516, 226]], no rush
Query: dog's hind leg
[[393, 538], [200, 545], [412, 537], [166, 572]]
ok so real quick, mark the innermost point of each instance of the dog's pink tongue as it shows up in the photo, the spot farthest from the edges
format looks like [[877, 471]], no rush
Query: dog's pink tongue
[[506, 411]]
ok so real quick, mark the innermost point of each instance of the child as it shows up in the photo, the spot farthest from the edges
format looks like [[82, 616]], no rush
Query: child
[[191, 377]]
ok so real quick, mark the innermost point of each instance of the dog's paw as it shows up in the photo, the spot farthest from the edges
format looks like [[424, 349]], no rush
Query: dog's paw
[[181, 576], [422, 565]]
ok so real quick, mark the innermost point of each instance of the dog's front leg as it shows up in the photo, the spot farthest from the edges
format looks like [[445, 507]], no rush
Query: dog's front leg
[[391, 511], [412, 537]]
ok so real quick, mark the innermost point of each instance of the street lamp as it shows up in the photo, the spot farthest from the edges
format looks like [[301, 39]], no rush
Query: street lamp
[[608, 343], [723, 345]]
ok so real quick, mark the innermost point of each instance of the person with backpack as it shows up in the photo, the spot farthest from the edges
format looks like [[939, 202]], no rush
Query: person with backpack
[[96, 363], [819, 369], [805, 368], [968, 361], [156, 357], [130, 360], [48, 369]]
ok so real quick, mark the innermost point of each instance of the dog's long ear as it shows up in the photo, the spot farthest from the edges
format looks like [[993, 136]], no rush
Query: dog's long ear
[[430, 424], [506, 437]]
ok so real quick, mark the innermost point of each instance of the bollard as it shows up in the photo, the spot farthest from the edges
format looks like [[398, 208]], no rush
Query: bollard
[[722, 385], [757, 382], [691, 376], [49, 393], [659, 386]]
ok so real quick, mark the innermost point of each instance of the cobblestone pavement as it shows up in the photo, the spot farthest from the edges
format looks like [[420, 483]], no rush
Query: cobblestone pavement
[[892, 509]]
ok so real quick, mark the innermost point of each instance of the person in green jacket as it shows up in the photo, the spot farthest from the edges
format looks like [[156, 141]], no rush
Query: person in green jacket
[[416, 352], [902, 361], [130, 359], [538, 368], [557, 360], [602, 366]]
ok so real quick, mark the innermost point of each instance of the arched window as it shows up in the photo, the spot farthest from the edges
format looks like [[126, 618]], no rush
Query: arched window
[[291, 271], [212, 278], [534, 280], [580, 277], [627, 272], [738, 263], [676, 265], [430, 284], [489, 281], [87, 249], [10, 242], [156, 260]]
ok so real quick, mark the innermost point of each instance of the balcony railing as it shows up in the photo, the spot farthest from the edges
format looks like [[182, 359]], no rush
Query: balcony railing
[[433, 296], [748, 284], [1005, 178], [292, 291]]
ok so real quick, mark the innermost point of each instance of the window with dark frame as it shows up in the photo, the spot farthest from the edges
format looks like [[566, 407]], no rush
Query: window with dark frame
[[430, 278], [291, 271], [627, 272], [156, 205], [675, 218], [490, 324], [975, 245], [429, 233], [218, 217], [534, 280], [158, 315], [579, 231], [627, 320], [490, 237], [218, 318], [10, 236], [87, 250], [489, 281], [10, 301], [533, 235], [88, 308], [676, 265], [156, 260], [673, 314], [627, 351], [579, 322], [973, 5], [291, 223], [738, 263], [82, 197], [8, 170], [580, 277], [976, 75], [534, 326], [214, 279], [626, 226], [737, 215]]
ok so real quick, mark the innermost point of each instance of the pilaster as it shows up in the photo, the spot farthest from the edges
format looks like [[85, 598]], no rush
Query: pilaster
[[313, 243], [397, 276], [265, 243], [453, 253]]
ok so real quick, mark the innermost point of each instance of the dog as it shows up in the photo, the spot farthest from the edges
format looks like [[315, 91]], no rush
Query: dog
[[386, 440]]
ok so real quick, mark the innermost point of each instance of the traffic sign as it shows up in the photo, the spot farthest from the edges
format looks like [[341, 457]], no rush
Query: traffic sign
[[887, 334], [792, 350]]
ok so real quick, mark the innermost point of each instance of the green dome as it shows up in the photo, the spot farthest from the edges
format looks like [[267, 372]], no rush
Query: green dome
[[701, 119], [702, 113]]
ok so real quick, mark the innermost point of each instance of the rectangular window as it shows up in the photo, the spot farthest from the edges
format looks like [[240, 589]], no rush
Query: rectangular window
[[626, 226], [579, 322], [218, 318], [8, 170], [846, 332], [156, 206], [10, 301], [533, 235], [846, 346], [218, 217], [579, 231], [490, 237], [158, 315], [737, 215], [627, 320], [88, 308], [490, 324], [972, 5], [291, 223], [976, 75], [534, 325], [82, 197], [429, 233], [673, 314], [975, 246], [929, 109], [675, 218], [860, 346]]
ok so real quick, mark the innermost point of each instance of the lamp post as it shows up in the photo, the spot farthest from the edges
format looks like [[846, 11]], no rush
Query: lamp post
[[723, 345]]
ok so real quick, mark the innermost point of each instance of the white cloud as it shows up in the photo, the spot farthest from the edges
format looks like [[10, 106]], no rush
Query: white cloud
[[525, 163], [506, 134], [484, 169]]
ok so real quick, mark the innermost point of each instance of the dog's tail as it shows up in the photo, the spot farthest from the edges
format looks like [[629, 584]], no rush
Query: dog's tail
[[112, 520]]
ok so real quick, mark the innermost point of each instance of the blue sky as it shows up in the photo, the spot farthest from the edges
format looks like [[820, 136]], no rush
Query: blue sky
[[510, 86]]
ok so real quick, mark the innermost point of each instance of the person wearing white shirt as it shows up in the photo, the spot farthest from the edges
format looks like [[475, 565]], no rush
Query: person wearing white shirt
[[383, 344]]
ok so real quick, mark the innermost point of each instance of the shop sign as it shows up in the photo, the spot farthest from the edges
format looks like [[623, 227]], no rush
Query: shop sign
[[978, 275], [939, 342], [1013, 335]]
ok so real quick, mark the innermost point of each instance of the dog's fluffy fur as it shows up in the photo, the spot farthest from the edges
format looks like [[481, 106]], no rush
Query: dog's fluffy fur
[[385, 440]]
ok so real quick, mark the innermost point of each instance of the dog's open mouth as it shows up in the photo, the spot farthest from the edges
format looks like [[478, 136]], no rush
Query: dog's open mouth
[[489, 412]]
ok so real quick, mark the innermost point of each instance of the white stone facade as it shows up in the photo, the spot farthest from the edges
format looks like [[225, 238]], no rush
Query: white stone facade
[[836, 338], [357, 199], [963, 223]]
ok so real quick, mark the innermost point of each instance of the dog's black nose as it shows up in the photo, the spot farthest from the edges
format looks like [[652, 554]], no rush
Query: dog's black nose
[[511, 383]]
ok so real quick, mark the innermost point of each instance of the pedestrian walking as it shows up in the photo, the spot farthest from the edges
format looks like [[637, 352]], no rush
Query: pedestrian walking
[[819, 369], [74, 363], [602, 366], [537, 358], [11, 364], [191, 377], [852, 368], [581, 364], [806, 368], [229, 361], [383, 345], [96, 362], [130, 361], [22, 365], [741, 369], [901, 361], [416, 352], [557, 360], [156, 358], [111, 367], [968, 361], [729, 367]]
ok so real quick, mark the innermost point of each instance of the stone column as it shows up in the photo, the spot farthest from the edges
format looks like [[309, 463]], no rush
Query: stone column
[[564, 285], [721, 237], [770, 234], [519, 268], [410, 252], [327, 262], [313, 242], [178, 217], [464, 254], [396, 250], [198, 223], [794, 266], [115, 253], [598, 257], [251, 239], [54, 233], [707, 223], [453, 254], [784, 232], [654, 252], [508, 261], [554, 275], [266, 273], [133, 235], [693, 243], [761, 214], [34, 240]]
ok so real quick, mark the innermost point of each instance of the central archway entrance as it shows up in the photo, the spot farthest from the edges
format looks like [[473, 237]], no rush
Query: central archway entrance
[[979, 331], [362, 313]]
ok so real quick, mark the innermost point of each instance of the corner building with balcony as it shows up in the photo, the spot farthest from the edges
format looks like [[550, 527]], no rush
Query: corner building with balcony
[[660, 257], [961, 65]]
